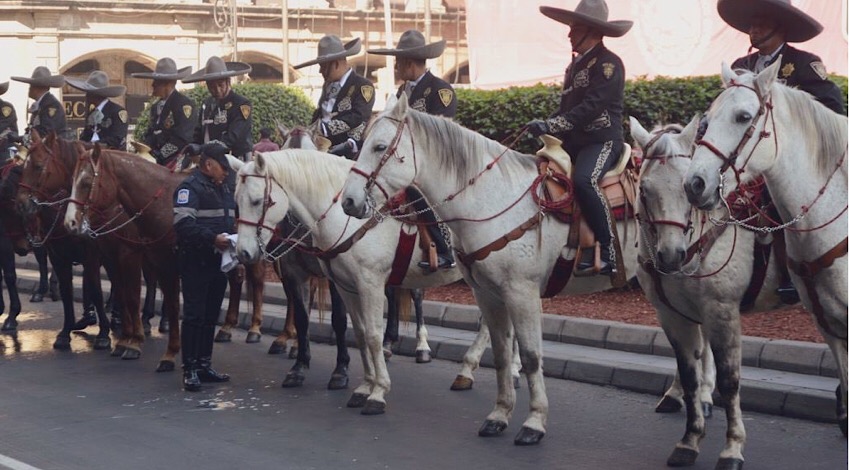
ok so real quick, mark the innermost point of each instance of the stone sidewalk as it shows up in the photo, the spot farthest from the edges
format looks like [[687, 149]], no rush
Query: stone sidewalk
[[788, 378]]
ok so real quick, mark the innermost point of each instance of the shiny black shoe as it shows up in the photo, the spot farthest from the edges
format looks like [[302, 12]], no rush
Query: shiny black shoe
[[207, 374], [89, 318], [191, 381], [586, 269], [788, 293], [443, 262], [37, 297]]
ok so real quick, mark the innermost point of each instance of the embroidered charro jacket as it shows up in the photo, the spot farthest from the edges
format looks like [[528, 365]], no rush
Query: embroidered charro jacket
[[591, 108], [110, 123], [350, 112], [228, 122], [8, 118], [432, 95], [803, 70], [50, 116], [171, 126]]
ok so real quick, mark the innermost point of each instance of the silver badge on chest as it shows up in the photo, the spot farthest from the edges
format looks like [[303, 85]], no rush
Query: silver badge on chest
[[220, 117]]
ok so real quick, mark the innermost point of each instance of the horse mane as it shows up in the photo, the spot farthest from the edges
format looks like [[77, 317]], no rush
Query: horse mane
[[308, 171], [664, 145], [463, 153]]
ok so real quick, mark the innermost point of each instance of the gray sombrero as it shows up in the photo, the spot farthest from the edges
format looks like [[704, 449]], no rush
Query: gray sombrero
[[166, 69], [217, 69], [797, 25], [97, 84], [4, 87], [331, 48], [592, 13], [41, 77], [411, 45]]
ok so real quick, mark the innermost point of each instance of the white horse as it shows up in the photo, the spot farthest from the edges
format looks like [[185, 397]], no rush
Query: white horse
[[307, 183], [697, 275], [759, 127], [404, 147]]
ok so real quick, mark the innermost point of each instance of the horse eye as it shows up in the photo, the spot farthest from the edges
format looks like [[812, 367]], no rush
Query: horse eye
[[744, 118], [255, 202], [380, 147]]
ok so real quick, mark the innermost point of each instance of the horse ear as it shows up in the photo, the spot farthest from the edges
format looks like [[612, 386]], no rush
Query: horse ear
[[95, 153], [399, 110], [260, 163], [689, 133], [235, 163], [35, 136], [284, 131], [727, 75], [50, 140], [640, 134], [766, 78]]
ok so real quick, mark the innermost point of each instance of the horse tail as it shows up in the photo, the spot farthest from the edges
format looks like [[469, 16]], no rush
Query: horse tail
[[403, 302]]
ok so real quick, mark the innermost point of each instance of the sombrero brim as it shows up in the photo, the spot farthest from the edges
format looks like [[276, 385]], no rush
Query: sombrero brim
[[180, 75], [233, 69], [107, 92], [428, 51], [349, 49], [4, 87], [612, 29], [53, 81], [797, 25]]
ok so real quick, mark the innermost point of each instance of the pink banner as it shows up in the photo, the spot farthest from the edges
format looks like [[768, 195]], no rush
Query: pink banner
[[512, 43]]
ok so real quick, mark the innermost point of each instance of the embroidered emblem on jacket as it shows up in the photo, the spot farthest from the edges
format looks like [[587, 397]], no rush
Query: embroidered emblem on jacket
[[582, 79], [787, 70], [246, 110], [7, 110], [445, 96], [419, 105], [608, 69], [591, 63], [344, 104], [819, 69], [51, 111], [122, 115], [367, 91], [183, 196], [187, 110]]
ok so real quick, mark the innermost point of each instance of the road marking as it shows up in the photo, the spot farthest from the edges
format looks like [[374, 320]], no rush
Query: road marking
[[12, 464]]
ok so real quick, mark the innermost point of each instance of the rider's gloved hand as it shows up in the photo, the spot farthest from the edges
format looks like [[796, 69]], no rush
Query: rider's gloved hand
[[537, 127], [341, 149]]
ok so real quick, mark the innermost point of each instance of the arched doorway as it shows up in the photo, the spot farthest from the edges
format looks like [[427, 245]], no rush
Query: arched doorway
[[265, 68]]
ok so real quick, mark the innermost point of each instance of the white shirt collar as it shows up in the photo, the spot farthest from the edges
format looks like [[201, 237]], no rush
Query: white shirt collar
[[412, 83], [102, 104]]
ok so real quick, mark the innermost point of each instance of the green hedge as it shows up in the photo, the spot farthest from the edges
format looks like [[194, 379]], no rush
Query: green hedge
[[271, 103], [498, 114]]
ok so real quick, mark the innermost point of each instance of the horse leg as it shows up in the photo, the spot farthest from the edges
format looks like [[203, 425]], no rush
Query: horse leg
[[131, 291], [724, 335], [288, 332], [43, 272], [673, 401], [255, 276], [370, 301], [838, 346], [339, 376], [169, 283], [391, 332], [149, 305], [472, 359], [361, 394], [10, 277], [423, 350], [91, 284], [525, 312], [687, 342], [499, 324], [296, 375], [231, 318], [62, 267]]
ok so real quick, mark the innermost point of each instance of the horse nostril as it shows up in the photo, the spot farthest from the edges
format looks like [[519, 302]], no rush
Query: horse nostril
[[348, 205], [680, 252]]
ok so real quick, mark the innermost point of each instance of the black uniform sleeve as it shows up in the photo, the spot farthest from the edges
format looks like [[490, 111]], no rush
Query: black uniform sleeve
[[351, 123], [8, 118], [186, 205], [605, 88], [181, 133], [51, 118], [443, 102], [115, 136], [239, 122], [821, 87]]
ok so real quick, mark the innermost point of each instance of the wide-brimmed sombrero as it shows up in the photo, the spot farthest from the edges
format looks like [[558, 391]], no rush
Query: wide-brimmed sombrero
[[331, 48], [795, 23], [166, 69], [4, 87], [593, 13], [217, 69], [97, 84], [411, 45], [41, 76]]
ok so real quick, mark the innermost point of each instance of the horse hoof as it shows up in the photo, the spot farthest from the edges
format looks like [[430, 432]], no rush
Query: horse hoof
[[668, 404], [117, 351], [461, 383], [492, 428], [338, 382], [528, 437], [164, 327], [516, 383], [252, 337], [37, 297], [277, 348], [423, 357], [131, 354], [729, 464], [682, 457], [165, 366], [357, 400], [10, 325], [707, 410], [102, 343], [62, 343], [147, 328], [222, 336], [293, 380], [374, 407], [293, 353]]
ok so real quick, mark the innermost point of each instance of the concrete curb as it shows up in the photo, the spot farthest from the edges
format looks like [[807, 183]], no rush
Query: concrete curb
[[787, 378]]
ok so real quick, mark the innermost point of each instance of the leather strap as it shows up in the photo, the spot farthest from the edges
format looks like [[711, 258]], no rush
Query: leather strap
[[649, 267], [560, 276], [348, 243], [807, 270], [483, 252]]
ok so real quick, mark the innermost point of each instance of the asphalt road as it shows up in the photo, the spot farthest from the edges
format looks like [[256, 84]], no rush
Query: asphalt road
[[84, 409]]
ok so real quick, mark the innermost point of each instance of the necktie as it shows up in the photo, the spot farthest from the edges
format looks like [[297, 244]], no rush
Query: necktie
[[333, 90]]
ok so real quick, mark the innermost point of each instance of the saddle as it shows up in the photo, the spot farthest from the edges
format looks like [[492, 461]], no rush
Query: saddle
[[142, 151], [427, 248], [619, 186]]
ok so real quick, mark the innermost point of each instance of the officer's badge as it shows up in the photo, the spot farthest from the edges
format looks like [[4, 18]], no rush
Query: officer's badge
[[591, 63], [367, 91], [786, 70], [608, 70], [51, 111], [183, 196], [582, 79], [819, 69], [187, 111], [427, 92], [419, 105], [246, 110], [122, 115], [7, 110], [445, 96], [344, 104], [228, 105]]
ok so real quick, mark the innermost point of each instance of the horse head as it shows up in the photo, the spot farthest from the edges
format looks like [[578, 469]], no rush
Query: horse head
[[82, 189], [262, 205], [47, 171], [386, 162], [737, 137], [664, 210], [10, 219]]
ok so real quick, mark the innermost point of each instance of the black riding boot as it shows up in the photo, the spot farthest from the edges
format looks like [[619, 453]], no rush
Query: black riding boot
[[189, 346], [191, 381], [606, 261], [88, 319], [207, 374]]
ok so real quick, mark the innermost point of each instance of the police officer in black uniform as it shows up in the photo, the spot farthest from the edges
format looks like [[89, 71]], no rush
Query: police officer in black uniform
[[589, 119], [225, 116], [172, 118], [428, 94], [204, 214], [347, 98], [771, 25], [8, 123], [106, 120]]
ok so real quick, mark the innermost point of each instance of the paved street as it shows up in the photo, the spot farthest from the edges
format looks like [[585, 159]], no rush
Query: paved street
[[84, 409]]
